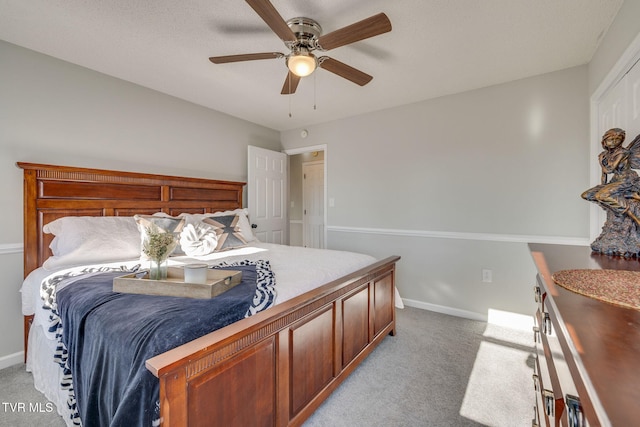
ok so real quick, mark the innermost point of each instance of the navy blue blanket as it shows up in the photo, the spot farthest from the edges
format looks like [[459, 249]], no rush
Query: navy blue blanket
[[110, 335]]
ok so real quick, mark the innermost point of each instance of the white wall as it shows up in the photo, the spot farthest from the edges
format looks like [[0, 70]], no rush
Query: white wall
[[54, 112], [622, 32], [461, 183]]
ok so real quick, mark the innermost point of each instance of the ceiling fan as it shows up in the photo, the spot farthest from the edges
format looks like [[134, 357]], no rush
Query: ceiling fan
[[302, 36]]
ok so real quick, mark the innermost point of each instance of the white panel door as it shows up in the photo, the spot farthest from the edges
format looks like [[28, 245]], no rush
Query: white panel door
[[612, 109], [313, 204], [612, 113], [267, 194], [633, 91], [619, 108]]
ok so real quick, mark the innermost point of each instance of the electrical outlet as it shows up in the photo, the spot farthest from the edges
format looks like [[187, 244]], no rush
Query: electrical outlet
[[487, 275]]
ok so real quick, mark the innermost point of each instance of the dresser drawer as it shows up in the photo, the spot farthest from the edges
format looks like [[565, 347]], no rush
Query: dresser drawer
[[557, 400], [539, 417]]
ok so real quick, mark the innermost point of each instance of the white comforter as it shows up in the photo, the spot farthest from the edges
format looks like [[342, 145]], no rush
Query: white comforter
[[297, 269]]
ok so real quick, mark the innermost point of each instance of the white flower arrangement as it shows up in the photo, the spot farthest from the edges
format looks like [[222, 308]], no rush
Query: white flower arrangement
[[158, 244]]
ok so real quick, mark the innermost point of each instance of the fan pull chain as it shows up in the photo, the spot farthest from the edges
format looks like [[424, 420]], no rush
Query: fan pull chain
[[289, 95], [314, 90]]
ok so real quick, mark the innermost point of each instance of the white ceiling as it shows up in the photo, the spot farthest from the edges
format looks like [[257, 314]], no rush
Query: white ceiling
[[436, 47]]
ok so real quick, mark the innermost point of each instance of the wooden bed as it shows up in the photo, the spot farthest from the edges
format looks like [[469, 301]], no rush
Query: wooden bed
[[272, 369]]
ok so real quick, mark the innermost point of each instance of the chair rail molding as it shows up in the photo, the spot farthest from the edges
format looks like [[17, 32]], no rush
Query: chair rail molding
[[490, 237], [11, 248]]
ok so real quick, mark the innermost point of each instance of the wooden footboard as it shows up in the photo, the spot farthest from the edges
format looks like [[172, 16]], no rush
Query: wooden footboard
[[276, 368]]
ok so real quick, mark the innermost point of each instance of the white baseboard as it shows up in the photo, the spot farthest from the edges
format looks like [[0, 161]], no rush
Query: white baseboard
[[445, 310], [494, 317], [11, 359]]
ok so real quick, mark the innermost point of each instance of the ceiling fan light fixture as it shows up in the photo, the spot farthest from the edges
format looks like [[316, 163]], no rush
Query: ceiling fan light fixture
[[302, 36], [302, 64]]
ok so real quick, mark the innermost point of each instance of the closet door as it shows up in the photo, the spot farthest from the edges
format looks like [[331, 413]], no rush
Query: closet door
[[612, 110], [619, 108], [633, 102]]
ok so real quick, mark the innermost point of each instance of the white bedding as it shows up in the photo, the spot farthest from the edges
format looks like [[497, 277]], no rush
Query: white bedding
[[297, 271]]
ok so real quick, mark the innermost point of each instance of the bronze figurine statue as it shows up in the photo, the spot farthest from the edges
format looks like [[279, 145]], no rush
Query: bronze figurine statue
[[619, 195]]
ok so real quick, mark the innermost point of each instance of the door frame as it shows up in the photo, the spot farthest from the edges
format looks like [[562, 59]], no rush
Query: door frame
[[626, 61], [309, 149]]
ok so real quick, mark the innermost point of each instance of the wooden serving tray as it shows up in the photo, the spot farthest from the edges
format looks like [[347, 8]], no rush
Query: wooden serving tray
[[218, 281]]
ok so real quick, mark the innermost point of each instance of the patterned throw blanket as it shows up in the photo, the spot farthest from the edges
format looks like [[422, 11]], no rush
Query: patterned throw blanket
[[105, 337]]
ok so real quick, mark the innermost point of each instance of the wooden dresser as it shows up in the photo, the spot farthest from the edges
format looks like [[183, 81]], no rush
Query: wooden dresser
[[587, 368]]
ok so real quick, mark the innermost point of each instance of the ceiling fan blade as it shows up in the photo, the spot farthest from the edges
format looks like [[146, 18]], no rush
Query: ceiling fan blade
[[372, 26], [245, 57], [290, 84], [343, 70], [270, 15]]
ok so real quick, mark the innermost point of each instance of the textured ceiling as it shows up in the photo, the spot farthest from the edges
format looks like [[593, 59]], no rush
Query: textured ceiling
[[436, 47]]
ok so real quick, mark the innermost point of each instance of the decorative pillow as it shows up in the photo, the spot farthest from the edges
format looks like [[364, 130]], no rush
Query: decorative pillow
[[166, 224], [198, 239], [243, 221], [228, 231], [91, 239]]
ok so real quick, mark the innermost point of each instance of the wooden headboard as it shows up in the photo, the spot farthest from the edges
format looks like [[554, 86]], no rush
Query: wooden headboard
[[52, 192]]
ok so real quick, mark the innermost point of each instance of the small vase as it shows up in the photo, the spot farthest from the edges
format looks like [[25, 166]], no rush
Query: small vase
[[158, 269]]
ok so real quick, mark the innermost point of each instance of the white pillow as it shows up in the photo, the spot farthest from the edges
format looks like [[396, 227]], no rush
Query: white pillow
[[92, 239], [198, 239]]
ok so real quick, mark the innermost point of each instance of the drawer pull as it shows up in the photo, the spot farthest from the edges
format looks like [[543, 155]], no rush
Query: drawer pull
[[537, 294], [546, 324], [575, 416], [536, 382], [548, 402], [536, 334]]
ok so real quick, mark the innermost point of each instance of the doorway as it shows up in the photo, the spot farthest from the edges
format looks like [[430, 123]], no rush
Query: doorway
[[307, 197]]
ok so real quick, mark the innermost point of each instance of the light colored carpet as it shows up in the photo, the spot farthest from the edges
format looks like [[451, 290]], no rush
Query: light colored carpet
[[22, 404], [438, 370]]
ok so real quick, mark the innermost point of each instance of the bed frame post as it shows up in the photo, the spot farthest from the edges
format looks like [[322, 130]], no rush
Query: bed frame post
[[30, 234], [282, 380], [30, 219], [173, 395]]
